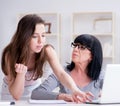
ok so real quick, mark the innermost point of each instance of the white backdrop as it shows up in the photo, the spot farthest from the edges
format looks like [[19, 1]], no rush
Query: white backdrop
[[9, 10]]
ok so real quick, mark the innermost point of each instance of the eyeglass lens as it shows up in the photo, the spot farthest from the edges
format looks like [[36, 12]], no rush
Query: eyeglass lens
[[74, 45]]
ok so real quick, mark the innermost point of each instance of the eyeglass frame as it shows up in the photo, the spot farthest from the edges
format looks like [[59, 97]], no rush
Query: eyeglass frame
[[80, 46]]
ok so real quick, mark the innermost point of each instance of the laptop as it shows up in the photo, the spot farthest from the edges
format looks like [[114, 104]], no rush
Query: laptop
[[111, 86]]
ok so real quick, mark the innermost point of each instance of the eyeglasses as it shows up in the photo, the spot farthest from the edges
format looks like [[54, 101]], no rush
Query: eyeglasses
[[81, 47]]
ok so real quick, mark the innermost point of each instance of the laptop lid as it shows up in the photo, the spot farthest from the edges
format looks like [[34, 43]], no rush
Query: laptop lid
[[111, 85]]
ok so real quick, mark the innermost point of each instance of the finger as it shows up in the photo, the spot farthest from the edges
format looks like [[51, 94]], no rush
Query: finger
[[17, 67], [87, 97], [72, 100], [90, 94], [20, 68], [81, 99], [77, 99], [23, 68]]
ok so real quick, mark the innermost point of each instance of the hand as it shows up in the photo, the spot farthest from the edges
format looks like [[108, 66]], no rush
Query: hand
[[81, 97], [66, 97], [20, 68]]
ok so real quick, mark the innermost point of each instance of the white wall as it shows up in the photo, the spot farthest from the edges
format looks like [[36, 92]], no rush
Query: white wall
[[10, 9]]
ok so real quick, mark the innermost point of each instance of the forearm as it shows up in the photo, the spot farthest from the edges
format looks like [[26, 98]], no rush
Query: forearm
[[44, 91], [43, 95], [67, 81], [17, 87], [64, 78]]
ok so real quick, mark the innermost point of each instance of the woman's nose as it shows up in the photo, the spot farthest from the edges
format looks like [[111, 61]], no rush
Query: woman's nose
[[76, 48], [39, 39]]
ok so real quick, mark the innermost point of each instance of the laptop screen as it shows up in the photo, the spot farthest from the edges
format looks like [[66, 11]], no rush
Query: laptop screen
[[111, 85]]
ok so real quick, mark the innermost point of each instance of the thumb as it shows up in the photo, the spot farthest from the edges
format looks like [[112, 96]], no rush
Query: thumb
[[16, 65]]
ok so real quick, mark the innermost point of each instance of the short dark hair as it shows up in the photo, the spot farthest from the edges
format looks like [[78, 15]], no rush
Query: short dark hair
[[94, 44]]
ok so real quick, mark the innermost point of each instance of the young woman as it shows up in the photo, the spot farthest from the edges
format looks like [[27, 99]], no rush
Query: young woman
[[23, 60], [85, 70]]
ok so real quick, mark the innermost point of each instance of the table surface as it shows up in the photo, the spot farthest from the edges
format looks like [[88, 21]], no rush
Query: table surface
[[26, 103]]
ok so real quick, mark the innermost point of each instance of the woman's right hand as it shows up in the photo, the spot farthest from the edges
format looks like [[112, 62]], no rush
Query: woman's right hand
[[65, 97], [20, 68], [82, 97]]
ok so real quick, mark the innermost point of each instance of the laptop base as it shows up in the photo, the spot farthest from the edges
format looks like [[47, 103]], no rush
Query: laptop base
[[98, 103]]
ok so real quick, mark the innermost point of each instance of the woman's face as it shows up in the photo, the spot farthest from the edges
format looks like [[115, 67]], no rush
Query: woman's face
[[38, 39], [81, 54]]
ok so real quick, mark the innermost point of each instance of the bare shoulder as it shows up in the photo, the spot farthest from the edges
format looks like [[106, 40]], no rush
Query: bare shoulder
[[49, 49]]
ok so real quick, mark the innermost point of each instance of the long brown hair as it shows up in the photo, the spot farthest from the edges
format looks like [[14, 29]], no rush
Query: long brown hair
[[17, 51]]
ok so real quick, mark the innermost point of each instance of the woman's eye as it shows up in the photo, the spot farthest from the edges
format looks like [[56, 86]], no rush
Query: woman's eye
[[75, 45], [83, 47], [34, 36]]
